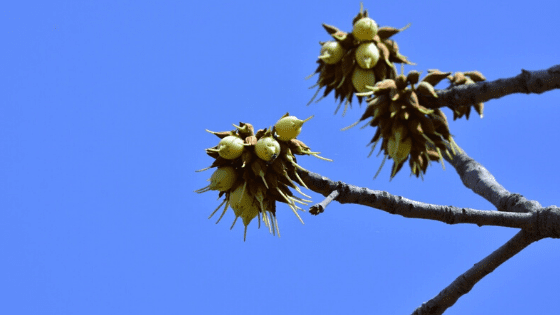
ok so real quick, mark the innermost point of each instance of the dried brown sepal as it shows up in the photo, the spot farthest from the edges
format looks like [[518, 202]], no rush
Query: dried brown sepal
[[427, 124], [479, 107], [348, 63], [413, 77], [272, 180], [380, 71], [386, 32], [297, 147], [381, 117], [244, 130], [246, 158], [400, 59], [340, 36], [387, 84], [251, 140], [475, 76], [415, 128], [412, 100], [278, 166], [400, 82], [330, 29], [424, 166], [439, 113], [441, 126], [261, 132], [392, 46], [386, 129], [222, 134], [220, 161], [213, 154], [379, 101], [460, 111], [435, 76], [398, 167], [374, 105], [458, 78], [426, 89], [384, 53], [433, 155]]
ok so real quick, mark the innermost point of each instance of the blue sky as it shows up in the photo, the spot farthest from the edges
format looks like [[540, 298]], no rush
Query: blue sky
[[103, 110]]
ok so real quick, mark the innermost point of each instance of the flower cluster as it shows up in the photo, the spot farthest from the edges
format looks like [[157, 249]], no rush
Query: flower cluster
[[254, 170], [357, 59], [409, 130]]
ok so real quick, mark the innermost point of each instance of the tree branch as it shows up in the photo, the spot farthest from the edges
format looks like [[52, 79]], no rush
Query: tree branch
[[346, 193], [477, 178], [538, 82], [465, 282], [516, 211]]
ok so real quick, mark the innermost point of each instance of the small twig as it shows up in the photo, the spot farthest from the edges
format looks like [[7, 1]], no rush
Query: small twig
[[320, 207]]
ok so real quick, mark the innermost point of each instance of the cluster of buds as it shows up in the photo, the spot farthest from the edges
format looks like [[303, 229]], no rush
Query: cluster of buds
[[356, 60], [408, 130], [254, 170]]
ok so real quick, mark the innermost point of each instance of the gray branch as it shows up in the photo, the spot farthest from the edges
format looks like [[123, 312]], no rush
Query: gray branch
[[477, 178], [527, 82], [518, 212], [515, 211], [465, 282]]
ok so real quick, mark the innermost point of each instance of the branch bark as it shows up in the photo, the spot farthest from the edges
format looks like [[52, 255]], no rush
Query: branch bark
[[465, 282], [478, 179], [527, 82], [515, 211]]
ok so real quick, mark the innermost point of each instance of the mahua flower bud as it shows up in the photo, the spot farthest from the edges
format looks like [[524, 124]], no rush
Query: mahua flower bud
[[222, 179], [289, 127], [240, 199], [267, 148], [230, 147], [364, 29], [331, 52], [362, 78], [367, 55], [399, 150]]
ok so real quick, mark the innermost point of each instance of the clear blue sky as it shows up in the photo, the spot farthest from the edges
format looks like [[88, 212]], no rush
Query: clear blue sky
[[103, 111]]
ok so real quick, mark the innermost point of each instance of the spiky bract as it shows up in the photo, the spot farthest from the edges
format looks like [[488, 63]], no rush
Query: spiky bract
[[261, 178]]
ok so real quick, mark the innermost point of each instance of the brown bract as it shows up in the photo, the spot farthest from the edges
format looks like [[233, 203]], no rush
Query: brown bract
[[466, 78]]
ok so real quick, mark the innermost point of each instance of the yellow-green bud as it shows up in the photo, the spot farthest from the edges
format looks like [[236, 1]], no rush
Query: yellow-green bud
[[361, 78], [364, 29], [230, 147], [222, 179], [267, 148], [399, 150], [289, 127], [367, 55], [331, 52]]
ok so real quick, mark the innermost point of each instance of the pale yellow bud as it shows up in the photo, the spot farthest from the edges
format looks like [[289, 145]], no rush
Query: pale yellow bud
[[267, 148], [364, 29], [289, 127]]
